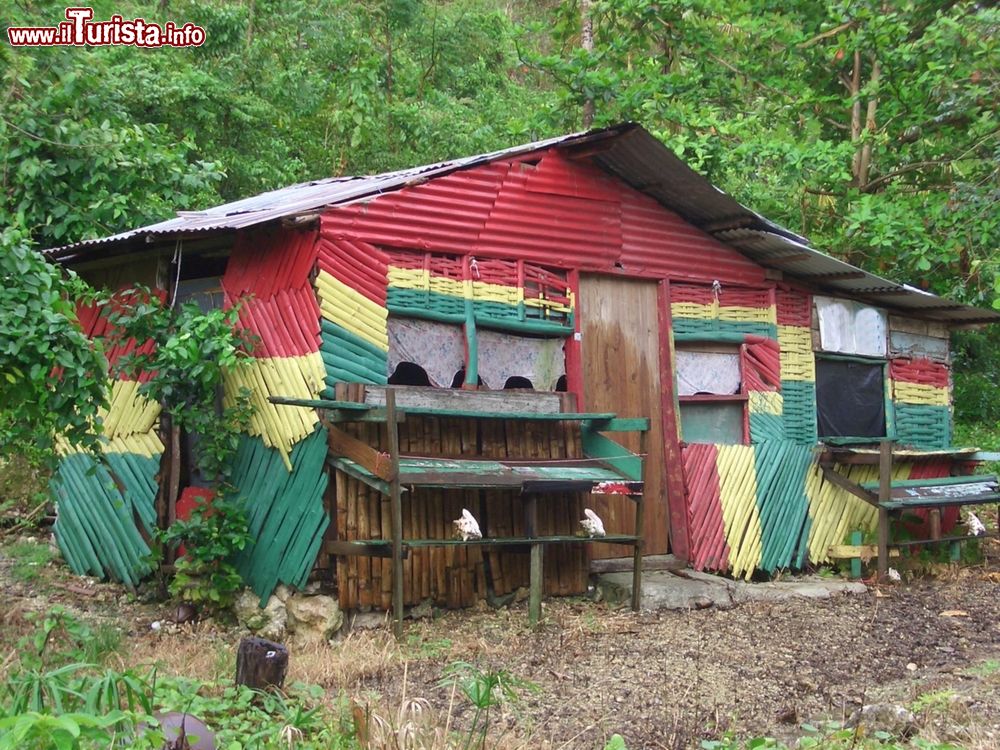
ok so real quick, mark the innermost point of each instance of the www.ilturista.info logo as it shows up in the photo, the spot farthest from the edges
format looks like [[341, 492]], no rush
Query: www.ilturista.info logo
[[79, 30]]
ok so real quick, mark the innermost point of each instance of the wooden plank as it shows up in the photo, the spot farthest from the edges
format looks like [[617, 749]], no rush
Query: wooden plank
[[846, 551], [343, 445], [974, 479], [372, 548], [524, 541], [611, 453], [622, 424], [453, 399], [621, 359], [844, 483], [353, 470]]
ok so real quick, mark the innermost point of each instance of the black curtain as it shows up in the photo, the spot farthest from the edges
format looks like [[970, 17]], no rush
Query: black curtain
[[850, 398]]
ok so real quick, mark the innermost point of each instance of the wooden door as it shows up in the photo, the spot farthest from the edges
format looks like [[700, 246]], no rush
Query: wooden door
[[621, 373]]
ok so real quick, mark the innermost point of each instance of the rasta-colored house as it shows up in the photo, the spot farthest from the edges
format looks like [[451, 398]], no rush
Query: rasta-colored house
[[591, 274]]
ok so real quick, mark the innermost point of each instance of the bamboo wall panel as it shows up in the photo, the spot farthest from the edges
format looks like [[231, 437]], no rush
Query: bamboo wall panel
[[285, 511], [621, 374], [458, 576]]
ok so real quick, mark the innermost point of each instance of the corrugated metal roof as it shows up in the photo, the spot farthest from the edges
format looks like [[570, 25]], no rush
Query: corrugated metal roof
[[627, 151]]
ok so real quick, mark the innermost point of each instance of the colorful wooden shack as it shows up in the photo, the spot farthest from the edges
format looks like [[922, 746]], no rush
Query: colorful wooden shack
[[592, 274]]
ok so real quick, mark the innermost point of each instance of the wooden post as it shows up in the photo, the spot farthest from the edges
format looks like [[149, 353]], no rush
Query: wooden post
[[884, 493], [535, 582], [640, 513], [535, 586], [856, 561], [934, 516], [397, 514], [261, 664]]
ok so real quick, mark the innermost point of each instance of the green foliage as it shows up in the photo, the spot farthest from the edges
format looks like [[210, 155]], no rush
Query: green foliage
[[828, 736], [27, 558], [193, 350], [486, 690], [51, 376], [205, 575], [761, 98], [617, 742], [24, 493]]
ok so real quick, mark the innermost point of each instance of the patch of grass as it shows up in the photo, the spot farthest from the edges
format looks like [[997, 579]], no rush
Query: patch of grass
[[420, 648], [930, 702], [987, 668], [23, 490], [28, 559]]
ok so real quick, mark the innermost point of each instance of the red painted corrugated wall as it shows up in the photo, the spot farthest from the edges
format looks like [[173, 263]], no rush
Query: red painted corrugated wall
[[556, 212]]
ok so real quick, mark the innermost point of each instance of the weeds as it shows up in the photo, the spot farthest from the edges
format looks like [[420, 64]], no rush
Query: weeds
[[28, 560], [487, 690]]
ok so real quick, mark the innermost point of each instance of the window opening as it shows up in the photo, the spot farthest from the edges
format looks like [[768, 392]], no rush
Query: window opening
[[408, 373], [711, 393]]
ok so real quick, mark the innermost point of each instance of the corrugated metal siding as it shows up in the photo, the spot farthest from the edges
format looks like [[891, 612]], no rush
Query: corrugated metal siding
[[555, 230], [658, 242], [557, 212], [445, 214]]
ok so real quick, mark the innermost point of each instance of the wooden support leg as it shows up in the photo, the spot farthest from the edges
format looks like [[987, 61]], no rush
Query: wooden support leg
[[535, 586], [934, 516], [640, 520], [883, 543], [397, 515], [884, 493], [637, 555], [856, 561]]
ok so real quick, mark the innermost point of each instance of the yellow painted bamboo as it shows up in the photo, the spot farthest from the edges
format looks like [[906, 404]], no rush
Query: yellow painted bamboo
[[835, 512], [797, 359], [280, 427], [128, 411], [352, 310], [765, 402], [918, 393], [741, 520], [732, 313]]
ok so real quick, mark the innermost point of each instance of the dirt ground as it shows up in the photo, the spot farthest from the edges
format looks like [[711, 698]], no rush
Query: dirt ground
[[660, 679]]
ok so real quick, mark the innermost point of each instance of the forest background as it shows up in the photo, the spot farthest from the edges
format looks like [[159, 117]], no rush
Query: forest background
[[869, 127]]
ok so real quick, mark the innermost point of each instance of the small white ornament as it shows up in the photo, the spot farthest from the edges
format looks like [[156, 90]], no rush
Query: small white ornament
[[592, 524], [467, 527], [894, 575], [976, 527]]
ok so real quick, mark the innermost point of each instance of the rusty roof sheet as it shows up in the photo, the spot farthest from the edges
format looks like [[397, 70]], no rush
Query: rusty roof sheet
[[627, 151]]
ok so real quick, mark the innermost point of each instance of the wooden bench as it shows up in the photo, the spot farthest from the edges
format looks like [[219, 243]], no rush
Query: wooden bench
[[893, 498], [607, 468]]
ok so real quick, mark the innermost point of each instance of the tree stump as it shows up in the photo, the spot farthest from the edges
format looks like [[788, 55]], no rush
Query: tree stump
[[261, 664]]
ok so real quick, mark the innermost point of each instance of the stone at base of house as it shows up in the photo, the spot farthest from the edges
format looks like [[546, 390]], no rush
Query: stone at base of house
[[690, 589], [304, 620]]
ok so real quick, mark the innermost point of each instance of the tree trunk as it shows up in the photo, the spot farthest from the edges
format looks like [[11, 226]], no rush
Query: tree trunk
[[261, 664], [854, 88], [864, 165], [587, 42]]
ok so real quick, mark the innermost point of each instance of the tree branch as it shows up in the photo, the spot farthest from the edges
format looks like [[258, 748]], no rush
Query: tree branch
[[827, 34]]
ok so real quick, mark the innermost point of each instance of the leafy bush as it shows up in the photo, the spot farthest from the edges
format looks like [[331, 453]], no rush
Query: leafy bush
[[205, 575]]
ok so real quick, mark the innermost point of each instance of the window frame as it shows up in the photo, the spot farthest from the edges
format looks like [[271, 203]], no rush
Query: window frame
[[470, 334], [887, 405], [741, 397]]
